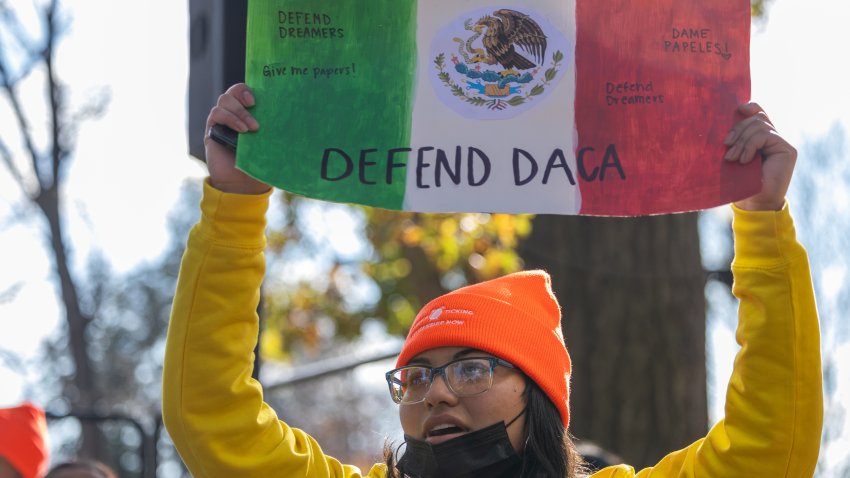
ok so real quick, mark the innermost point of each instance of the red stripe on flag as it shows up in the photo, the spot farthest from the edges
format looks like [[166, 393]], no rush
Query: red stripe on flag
[[657, 87]]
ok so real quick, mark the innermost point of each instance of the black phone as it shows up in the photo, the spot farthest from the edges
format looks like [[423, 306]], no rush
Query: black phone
[[224, 136]]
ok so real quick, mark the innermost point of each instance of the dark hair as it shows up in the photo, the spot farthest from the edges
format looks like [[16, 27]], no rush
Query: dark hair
[[95, 468], [549, 449]]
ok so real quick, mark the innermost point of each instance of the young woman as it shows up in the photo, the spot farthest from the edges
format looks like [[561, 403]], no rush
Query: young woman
[[482, 381]]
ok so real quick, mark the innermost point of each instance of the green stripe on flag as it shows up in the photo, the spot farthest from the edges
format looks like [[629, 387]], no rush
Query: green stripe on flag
[[316, 65]]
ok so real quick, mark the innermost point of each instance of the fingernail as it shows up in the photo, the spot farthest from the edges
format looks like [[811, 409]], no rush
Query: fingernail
[[730, 154], [241, 127], [249, 98], [730, 138], [253, 123]]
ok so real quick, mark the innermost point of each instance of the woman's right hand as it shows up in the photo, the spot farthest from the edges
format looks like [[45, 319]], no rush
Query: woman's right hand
[[231, 110]]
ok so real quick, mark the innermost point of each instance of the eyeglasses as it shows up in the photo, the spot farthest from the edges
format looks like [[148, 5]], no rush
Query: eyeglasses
[[464, 377]]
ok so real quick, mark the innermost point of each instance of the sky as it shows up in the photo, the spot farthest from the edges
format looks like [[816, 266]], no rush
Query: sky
[[130, 164]]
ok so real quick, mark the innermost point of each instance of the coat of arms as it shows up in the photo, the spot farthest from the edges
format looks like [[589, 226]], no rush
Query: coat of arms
[[502, 60]]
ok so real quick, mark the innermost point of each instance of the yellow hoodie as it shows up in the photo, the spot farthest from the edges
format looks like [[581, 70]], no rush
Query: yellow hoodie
[[221, 426]]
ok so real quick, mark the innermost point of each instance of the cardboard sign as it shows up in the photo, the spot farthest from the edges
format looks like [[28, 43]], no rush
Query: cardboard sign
[[599, 107]]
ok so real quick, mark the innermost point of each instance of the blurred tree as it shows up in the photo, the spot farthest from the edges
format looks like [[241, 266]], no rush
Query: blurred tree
[[40, 169], [758, 9], [632, 292], [404, 260], [125, 341], [108, 359]]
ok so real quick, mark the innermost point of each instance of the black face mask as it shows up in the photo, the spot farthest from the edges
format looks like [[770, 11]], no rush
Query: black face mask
[[484, 453]]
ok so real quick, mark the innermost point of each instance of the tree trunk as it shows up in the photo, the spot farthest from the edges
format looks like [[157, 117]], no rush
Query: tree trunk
[[632, 297], [83, 398]]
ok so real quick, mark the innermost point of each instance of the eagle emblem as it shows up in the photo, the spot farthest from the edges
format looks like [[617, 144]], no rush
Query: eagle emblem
[[503, 32], [499, 62]]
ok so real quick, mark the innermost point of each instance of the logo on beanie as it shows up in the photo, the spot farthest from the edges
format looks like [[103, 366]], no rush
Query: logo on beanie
[[436, 313], [440, 316]]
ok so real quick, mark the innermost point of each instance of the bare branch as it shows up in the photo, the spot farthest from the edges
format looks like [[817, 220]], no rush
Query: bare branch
[[94, 108], [56, 93], [13, 27], [9, 294], [9, 82], [6, 157], [21, 212], [20, 42], [23, 124], [12, 361]]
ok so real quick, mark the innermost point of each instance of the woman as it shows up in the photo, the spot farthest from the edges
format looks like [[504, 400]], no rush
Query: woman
[[483, 378]]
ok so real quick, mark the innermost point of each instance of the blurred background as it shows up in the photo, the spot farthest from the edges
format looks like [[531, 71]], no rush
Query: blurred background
[[98, 190]]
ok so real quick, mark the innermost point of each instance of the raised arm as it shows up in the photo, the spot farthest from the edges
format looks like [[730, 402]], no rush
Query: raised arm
[[774, 408], [774, 402], [212, 408]]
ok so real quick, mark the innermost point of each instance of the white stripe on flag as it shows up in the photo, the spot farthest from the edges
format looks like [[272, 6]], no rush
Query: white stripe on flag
[[548, 124]]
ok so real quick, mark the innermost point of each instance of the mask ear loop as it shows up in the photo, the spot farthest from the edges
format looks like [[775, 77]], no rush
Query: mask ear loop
[[525, 409], [516, 417], [527, 436], [396, 458]]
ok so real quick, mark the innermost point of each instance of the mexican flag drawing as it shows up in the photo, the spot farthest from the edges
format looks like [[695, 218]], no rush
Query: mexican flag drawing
[[597, 107]]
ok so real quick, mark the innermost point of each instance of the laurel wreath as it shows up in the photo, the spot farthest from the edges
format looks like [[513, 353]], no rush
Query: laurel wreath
[[516, 100]]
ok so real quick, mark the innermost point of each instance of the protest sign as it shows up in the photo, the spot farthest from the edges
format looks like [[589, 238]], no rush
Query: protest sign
[[599, 107]]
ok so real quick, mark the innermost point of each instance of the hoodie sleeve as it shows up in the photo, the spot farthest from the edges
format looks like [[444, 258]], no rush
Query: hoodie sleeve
[[774, 401], [212, 408]]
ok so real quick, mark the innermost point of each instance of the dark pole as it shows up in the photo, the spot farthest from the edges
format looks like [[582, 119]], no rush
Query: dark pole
[[216, 59]]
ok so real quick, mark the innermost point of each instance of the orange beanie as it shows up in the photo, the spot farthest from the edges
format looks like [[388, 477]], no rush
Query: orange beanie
[[515, 317], [23, 439]]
